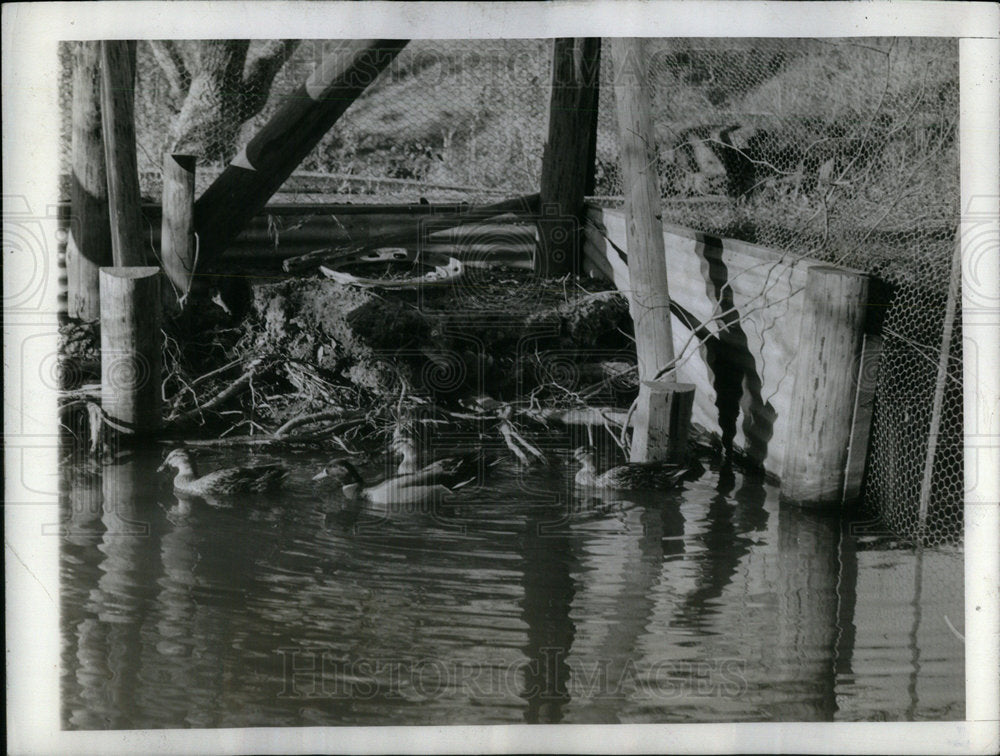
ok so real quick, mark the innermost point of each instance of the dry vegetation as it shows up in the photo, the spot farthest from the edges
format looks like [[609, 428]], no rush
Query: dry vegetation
[[851, 156], [855, 156]]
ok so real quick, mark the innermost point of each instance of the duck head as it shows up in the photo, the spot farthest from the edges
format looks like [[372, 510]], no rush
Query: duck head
[[346, 473], [584, 455], [179, 460], [405, 446]]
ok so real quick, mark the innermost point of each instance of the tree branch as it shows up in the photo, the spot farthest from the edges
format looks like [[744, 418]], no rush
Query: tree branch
[[259, 70], [169, 58]]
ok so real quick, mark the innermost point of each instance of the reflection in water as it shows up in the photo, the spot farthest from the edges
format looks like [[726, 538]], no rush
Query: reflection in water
[[653, 527], [548, 595], [706, 603], [847, 582], [911, 687], [808, 543], [717, 559], [109, 647]]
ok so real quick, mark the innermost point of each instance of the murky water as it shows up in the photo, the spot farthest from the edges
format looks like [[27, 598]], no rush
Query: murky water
[[518, 601]]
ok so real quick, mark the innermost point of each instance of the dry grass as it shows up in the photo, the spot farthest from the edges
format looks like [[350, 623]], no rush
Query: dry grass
[[878, 116]]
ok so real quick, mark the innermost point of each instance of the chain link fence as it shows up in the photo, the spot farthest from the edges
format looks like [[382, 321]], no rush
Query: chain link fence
[[841, 150]]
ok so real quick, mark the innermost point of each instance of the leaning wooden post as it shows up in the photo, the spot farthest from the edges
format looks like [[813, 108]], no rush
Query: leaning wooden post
[[256, 173], [177, 240], [826, 383], [658, 402], [567, 162], [118, 116], [89, 243], [130, 348]]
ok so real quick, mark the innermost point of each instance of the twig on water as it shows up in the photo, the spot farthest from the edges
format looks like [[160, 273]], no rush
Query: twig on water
[[315, 417]]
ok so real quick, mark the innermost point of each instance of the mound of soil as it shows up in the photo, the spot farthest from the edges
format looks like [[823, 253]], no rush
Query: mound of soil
[[499, 331]]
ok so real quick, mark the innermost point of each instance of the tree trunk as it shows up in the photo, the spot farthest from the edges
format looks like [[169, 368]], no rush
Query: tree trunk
[[229, 83], [89, 245], [306, 115], [118, 127], [207, 124]]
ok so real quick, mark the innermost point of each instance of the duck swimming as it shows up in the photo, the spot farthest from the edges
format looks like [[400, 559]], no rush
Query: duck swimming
[[226, 482], [630, 476], [433, 482], [457, 467]]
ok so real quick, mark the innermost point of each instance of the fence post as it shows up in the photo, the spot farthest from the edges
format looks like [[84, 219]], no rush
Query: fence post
[[941, 380], [89, 243], [826, 382], [659, 406], [177, 242], [567, 164], [130, 348], [118, 119]]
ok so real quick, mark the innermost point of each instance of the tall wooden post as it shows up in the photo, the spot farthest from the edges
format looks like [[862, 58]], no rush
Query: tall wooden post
[[245, 186], [567, 163], [826, 383], [649, 297], [89, 243], [118, 116], [177, 241], [130, 348]]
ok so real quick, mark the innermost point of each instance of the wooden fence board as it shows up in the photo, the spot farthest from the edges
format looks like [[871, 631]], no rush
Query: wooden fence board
[[736, 315]]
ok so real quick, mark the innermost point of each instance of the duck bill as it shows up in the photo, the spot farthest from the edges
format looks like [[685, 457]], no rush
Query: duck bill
[[320, 475], [161, 468]]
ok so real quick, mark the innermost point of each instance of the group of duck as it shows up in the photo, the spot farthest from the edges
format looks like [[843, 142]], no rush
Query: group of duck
[[415, 481]]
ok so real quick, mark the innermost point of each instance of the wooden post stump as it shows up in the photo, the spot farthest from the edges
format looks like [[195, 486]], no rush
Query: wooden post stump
[[89, 243], [826, 384], [661, 421], [177, 241], [130, 349]]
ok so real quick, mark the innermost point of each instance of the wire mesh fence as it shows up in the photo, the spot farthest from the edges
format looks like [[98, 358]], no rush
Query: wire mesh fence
[[841, 150]]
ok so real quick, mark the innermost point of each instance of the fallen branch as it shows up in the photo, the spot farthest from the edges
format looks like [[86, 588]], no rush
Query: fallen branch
[[213, 373], [253, 440], [517, 443], [316, 417], [578, 416], [505, 431], [240, 385], [86, 392]]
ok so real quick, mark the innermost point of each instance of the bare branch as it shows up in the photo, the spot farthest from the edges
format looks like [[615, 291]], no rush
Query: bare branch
[[169, 58], [259, 71]]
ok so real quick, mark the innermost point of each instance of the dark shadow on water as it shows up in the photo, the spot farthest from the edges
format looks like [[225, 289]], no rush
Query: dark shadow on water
[[548, 560], [730, 515]]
